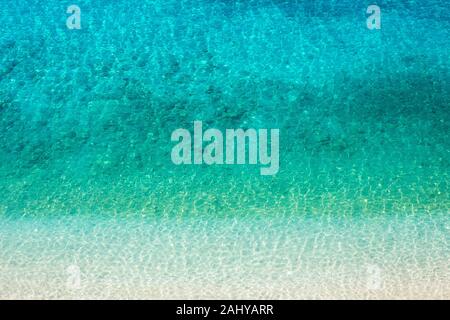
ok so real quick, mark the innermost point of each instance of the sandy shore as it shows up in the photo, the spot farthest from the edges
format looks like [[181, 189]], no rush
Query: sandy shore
[[87, 258]]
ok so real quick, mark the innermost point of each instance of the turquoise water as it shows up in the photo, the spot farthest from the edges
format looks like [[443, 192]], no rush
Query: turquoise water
[[85, 170]]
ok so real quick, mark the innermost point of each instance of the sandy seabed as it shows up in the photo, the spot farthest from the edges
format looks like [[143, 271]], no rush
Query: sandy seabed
[[303, 258]]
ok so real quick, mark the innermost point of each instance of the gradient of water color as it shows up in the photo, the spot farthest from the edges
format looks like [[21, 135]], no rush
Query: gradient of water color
[[359, 209]]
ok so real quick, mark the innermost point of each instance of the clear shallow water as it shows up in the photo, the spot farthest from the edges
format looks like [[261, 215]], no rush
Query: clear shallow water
[[307, 257], [86, 118]]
